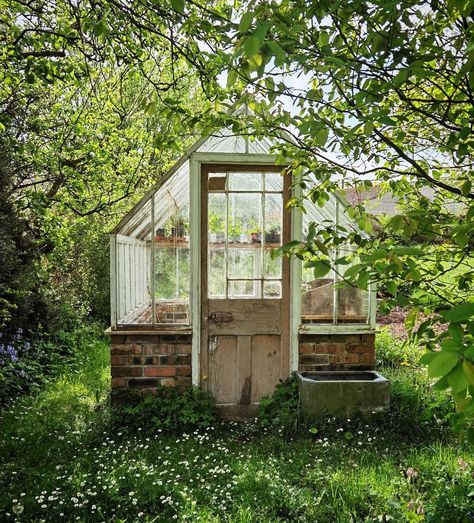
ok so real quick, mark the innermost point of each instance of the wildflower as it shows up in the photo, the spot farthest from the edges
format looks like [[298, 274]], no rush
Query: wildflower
[[411, 473], [17, 509]]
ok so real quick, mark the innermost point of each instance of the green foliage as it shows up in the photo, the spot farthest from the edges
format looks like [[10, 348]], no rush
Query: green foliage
[[279, 412], [27, 366], [392, 352], [169, 410]]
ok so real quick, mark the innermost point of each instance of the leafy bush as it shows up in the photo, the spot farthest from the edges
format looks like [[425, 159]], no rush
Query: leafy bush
[[279, 412], [170, 410]]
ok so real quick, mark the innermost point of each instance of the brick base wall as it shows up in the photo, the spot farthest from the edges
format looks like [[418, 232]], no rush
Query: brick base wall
[[327, 352], [143, 362]]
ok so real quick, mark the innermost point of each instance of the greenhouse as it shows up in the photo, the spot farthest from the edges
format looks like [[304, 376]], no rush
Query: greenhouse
[[197, 297]]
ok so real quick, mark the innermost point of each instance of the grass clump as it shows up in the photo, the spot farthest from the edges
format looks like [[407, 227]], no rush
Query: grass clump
[[279, 412]]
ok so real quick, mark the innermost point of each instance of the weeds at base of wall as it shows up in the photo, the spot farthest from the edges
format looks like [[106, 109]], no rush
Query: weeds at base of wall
[[169, 410]]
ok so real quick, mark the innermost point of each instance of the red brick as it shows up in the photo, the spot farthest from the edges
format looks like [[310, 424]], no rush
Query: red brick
[[159, 349], [164, 360], [315, 359], [142, 339], [167, 382], [160, 371], [183, 348], [183, 359], [183, 370], [118, 383], [126, 372], [367, 358], [183, 381], [306, 348], [117, 340], [118, 360], [344, 358], [361, 349], [121, 349]]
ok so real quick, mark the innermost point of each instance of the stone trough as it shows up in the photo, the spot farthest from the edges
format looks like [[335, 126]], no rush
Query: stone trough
[[342, 393]]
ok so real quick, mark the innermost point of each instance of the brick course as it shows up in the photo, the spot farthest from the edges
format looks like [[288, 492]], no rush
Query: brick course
[[144, 362], [332, 352]]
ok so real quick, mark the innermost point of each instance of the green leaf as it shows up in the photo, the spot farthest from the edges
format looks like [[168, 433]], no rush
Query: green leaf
[[466, 187], [321, 136], [363, 280], [369, 128], [392, 288], [459, 313], [411, 318], [427, 358], [456, 378], [178, 5], [468, 369], [469, 353], [320, 269], [231, 78], [245, 22], [251, 45], [278, 52], [442, 364], [441, 384], [396, 222]]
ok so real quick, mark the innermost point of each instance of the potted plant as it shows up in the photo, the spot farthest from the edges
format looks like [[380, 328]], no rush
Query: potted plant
[[273, 234], [178, 227], [160, 234], [256, 236]]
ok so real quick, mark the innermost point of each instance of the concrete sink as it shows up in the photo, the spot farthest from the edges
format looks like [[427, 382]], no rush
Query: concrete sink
[[342, 393]]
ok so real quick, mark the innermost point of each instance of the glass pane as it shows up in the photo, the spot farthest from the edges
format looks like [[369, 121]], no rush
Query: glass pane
[[272, 289], [317, 297], [352, 302], [171, 272], [244, 263], [352, 305], [245, 218], [216, 217], [244, 289], [216, 273], [273, 218], [245, 181], [172, 281], [272, 268], [273, 182]]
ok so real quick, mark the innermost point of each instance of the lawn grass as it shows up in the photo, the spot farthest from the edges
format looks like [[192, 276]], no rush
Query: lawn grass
[[63, 458]]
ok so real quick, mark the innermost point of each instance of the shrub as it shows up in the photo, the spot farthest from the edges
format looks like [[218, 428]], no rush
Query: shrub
[[279, 412], [169, 410]]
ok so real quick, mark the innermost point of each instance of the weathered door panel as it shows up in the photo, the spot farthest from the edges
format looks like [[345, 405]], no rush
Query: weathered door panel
[[265, 365], [223, 360], [244, 317]]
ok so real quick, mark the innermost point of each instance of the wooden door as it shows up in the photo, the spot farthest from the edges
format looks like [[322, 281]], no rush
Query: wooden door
[[245, 320]]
